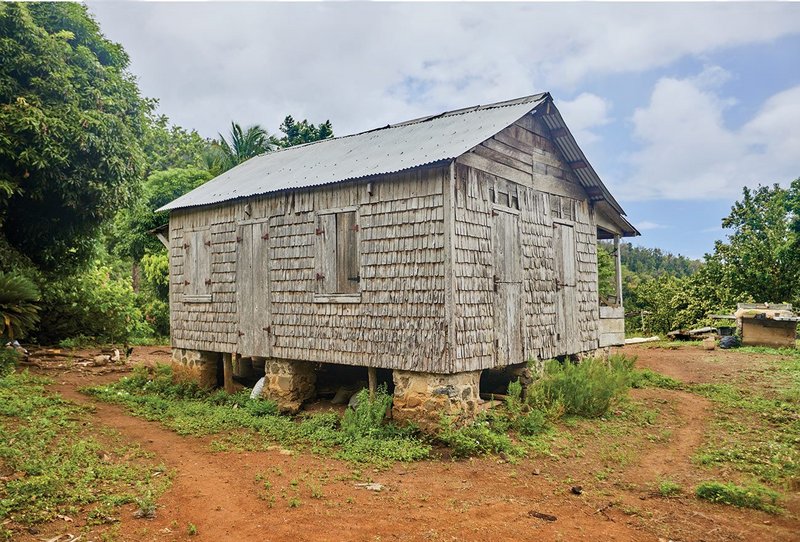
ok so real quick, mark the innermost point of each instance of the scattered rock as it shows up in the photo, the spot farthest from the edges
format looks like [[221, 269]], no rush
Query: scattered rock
[[343, 395], [145, 513], [370, 486], [536, 472], [541, 515], [576, 490], [101, 360]]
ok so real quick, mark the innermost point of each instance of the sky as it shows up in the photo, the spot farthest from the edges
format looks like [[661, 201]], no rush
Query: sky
[[677, 106]]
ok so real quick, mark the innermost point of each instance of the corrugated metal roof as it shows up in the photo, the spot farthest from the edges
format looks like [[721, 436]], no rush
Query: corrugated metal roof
[[386, 150]]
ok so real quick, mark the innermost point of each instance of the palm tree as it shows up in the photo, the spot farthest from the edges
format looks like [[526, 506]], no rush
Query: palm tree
[[18, 309], [243, 145]]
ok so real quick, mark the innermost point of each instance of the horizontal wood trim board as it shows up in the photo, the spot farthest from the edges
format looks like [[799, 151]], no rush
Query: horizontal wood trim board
[[334, 298], [196, 298], [348, 209], [537, 182]]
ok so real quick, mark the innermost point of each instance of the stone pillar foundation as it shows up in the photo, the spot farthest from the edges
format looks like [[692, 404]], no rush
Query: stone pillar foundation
[[195, 365], [422, 398], [289, 383]]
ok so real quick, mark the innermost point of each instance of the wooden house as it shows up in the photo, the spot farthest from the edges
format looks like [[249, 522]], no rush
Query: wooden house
[[430, 250]]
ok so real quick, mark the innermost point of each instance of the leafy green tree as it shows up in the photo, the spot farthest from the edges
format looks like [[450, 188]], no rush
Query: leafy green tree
[[297, 133], [169, 146], [71, 118], [131, 237], [760, 257], [243, 145], [606, 275]]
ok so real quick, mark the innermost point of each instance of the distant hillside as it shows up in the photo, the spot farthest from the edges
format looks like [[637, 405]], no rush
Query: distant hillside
[[655, 262]]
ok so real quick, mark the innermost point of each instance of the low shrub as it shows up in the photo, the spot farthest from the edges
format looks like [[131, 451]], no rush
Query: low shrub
[[477, 438], [753, 496], [97, 303], [366, 419], [589, 388], [9, 358]]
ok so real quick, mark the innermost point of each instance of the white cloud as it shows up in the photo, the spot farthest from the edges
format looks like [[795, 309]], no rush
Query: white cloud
[[583, 114], [363, 64], [689, 152], [647, 225]]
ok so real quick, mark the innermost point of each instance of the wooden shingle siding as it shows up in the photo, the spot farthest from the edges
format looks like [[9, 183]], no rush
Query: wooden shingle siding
[[437, 269], [400, 319], [523, 156]]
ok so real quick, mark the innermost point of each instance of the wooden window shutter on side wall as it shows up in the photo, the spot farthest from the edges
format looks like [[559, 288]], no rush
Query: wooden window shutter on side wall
[[203, 262], [347, 257], [326, 254]]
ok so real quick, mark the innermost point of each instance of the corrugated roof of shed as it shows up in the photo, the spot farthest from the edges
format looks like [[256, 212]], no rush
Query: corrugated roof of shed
[[390, 149]]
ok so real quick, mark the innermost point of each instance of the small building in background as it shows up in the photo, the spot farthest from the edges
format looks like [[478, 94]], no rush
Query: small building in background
[[767, 324], [422, 255]]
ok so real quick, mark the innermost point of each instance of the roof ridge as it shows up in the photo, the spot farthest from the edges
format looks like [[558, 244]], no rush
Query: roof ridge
[[452, 112]]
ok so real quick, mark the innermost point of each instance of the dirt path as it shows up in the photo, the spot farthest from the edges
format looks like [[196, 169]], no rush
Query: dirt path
[[674, 460], [430, 500], [223, 494]]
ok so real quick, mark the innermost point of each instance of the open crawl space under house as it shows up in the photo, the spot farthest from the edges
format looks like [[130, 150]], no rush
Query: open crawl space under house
[[422, 254]]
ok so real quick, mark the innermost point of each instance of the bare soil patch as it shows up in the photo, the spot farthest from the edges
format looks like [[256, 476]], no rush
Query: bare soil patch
[[283, 495]]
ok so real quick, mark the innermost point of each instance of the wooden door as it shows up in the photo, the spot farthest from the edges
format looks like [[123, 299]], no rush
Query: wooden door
[[567, 340], [253, 289], [508, 314]]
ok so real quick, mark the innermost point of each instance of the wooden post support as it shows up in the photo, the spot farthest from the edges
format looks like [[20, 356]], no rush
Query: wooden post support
[[227, 372], [373, 382], [618, 269]]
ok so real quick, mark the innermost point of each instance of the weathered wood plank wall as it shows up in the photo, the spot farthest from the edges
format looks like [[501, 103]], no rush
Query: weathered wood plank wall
[[400, 319], [523, 160]]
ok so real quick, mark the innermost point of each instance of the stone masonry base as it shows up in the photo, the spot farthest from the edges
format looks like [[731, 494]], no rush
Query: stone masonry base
[[196, 365], [289, 383], [423, 398]]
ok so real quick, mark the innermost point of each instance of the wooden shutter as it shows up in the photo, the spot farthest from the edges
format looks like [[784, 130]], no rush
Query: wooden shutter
[[197, 266], [347, 268], [326, 254]]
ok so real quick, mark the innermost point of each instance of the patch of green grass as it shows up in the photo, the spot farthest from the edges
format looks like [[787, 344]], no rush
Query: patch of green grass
[[191, 529], [363, 437], [789, 352], [59, 466], [753, 496], [670, 345], [761, 434], [668, 488], [477, 438], [647, 378]]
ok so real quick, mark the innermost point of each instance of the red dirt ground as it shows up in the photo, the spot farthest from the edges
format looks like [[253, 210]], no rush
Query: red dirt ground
[[474, 500]]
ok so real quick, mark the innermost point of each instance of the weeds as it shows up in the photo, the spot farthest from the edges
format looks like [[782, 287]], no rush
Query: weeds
[[753, 496], [9, 359], [187, 409], [58, 468], [668, 488], [366, 419], [588, 389], [647, 378], [477, 438], [766, 444]]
